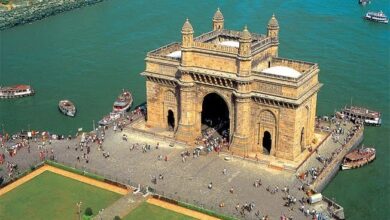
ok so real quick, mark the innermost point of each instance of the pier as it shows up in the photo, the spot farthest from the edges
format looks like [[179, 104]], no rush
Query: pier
[[136, 160]]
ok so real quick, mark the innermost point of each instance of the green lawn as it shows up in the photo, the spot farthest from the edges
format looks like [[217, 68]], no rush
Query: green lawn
[[52, 196], [152, 212]]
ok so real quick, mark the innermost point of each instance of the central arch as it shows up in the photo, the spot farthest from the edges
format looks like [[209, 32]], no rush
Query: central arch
[[215, 114]]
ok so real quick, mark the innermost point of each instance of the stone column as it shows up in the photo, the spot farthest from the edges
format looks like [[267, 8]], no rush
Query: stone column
[[186, 131], [242, 119]]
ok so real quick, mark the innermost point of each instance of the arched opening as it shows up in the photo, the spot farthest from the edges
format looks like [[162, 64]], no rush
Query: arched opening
[[171, 120], [303, 139], [267, 142], [215, 116]]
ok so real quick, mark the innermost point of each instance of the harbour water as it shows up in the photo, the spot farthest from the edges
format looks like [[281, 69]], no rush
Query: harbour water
[[88, 55]]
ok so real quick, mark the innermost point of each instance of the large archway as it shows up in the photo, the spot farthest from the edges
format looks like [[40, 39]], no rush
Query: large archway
[[215, 114]]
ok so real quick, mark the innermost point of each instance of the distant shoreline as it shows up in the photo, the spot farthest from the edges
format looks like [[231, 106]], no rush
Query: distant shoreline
[[38, 11]]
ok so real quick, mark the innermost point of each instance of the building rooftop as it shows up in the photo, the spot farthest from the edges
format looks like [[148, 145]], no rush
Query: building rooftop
[[282, 71]]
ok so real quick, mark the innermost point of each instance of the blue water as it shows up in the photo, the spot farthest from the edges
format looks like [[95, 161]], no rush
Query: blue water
[[88, 55]]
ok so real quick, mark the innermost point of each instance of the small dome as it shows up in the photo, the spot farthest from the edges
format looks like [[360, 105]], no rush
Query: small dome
[[245, 35], [273, 22], [218, 15], [187, 27]]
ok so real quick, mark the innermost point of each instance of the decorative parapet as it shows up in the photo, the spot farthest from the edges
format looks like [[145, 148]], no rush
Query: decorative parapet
[[163, 51], [215, 47]]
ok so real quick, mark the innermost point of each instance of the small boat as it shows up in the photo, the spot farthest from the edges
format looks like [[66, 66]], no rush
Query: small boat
[[16, 91], [358, 158], [123, 102], [369, 117], [67, 108], [377, 17], [363, 2], [109, 119]]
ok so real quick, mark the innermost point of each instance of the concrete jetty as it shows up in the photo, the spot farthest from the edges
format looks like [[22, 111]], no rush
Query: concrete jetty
[[137, 160]]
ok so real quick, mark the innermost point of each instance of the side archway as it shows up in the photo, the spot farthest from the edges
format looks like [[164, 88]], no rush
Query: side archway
[[267, 132]]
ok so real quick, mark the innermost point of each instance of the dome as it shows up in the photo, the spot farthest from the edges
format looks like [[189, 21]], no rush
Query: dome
[[273, 22], [187, 27], [218, 15], [245, 35]]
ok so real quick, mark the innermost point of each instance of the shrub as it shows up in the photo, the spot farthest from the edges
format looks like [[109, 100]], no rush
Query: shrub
[[117, 218], [88, 212]]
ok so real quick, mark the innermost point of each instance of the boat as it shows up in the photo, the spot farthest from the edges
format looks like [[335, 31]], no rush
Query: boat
[[363, 2], [67, 108], [377, 17], [368, 116], [123, 102], [16, 91], [109, 119], [358, 158]]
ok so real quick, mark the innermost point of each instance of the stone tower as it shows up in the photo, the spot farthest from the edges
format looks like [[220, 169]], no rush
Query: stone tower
[[218, 20]]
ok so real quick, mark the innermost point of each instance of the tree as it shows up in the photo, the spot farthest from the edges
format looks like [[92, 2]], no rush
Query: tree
[[88, 212], [117, 218]]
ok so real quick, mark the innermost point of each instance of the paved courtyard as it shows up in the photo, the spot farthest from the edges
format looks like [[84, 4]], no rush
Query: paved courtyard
[[187, 181]]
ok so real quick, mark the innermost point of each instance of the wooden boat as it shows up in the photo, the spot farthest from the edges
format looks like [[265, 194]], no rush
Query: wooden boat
[[67, 108], [16, 91], [358, 158], [123, 102], [369, 117]]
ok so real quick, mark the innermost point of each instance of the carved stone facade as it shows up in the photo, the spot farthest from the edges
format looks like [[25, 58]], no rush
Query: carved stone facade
[[271, 100]]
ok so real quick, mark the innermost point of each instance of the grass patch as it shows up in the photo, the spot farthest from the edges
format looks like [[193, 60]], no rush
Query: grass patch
[[52, 196], [205, 211], [153, 212]]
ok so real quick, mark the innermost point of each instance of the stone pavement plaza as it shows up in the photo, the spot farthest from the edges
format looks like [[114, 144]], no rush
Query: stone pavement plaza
[[187, 181]]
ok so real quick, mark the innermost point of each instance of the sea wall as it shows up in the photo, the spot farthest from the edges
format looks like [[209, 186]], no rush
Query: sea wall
[[39, 10]]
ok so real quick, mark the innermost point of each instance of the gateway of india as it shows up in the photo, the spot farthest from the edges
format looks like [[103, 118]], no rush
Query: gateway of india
[[237, 80]]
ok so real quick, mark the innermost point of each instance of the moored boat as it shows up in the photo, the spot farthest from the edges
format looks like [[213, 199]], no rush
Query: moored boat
[[123, 102], [369, 117], [16, 91], [109, 119], [377, 17], [358, 158], [67, 108]]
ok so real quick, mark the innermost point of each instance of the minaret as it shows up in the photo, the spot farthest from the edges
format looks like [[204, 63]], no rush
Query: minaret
[[273, 33], [218, 21], [244, 53], [187, 34], [273, 28], [187, 39]]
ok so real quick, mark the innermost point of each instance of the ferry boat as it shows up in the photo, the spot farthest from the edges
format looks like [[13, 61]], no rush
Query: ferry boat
[[16, 91], [123, 102], [377, 16], [368, 116], [358, 158], [67, 108]]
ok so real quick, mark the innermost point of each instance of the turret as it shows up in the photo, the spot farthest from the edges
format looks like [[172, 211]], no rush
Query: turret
[[244, 53], [273, 28], [245, 40], [218, 20], [187, 34]]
